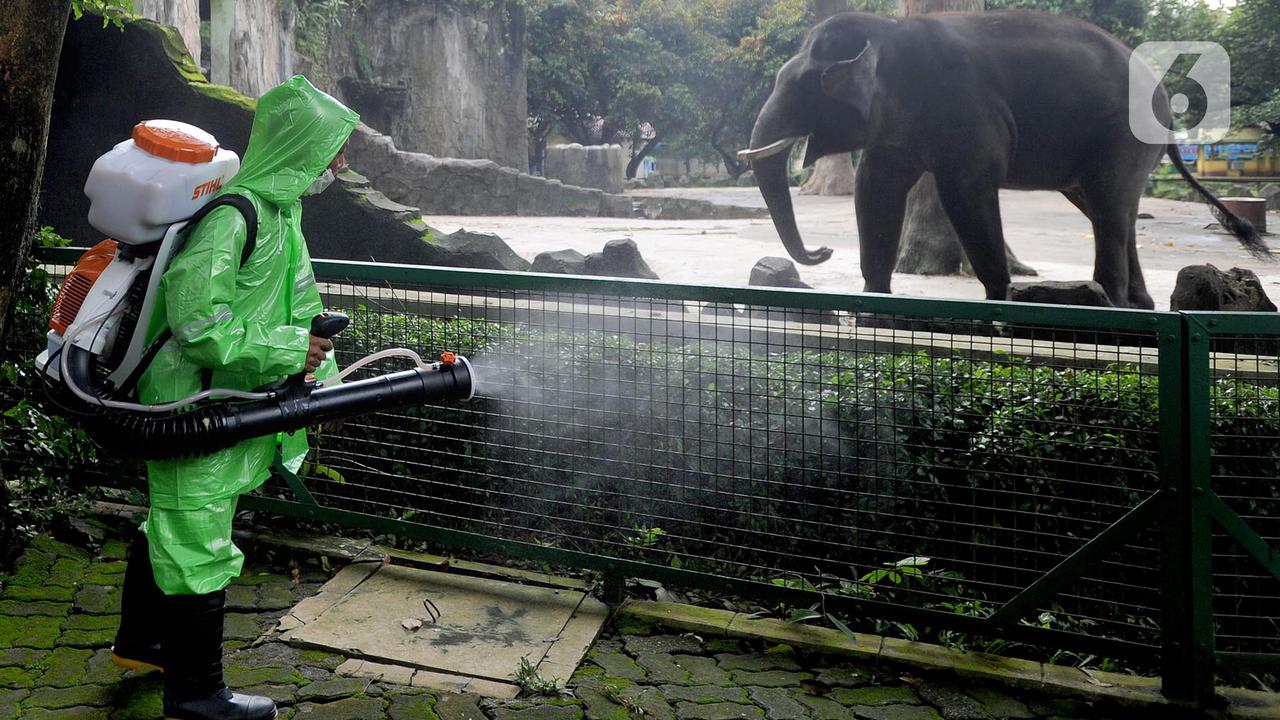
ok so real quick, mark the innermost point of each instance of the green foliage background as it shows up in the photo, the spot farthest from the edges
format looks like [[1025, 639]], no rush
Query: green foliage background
[[41, 452], [696, 73]]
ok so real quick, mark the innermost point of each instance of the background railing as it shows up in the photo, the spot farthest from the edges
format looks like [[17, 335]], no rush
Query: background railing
[[1097, 484]]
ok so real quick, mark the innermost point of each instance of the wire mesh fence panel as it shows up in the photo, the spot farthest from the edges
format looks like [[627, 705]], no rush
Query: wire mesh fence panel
[[940, 457], [934, 464], [1244, 442]]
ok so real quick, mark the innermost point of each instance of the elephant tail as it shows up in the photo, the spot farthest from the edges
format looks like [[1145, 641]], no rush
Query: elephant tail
[[1244, 230]]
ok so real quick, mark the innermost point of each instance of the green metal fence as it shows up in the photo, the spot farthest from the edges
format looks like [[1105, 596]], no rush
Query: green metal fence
[[1096, 482]]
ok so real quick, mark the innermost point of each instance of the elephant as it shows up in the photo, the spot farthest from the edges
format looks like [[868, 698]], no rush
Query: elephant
[[984, 101]]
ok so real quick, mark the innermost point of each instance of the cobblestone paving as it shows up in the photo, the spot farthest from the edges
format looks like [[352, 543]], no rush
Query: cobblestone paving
[[59, 609]]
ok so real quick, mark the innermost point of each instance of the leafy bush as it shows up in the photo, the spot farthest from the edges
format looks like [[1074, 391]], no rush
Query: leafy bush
[[826, 467], [41, 453]]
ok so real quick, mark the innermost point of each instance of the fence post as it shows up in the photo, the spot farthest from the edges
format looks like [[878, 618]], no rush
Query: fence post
[[1188, 661]]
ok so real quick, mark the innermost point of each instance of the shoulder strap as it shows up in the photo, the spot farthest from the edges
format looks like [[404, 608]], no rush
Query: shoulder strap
[[250, 213], [246, 208]]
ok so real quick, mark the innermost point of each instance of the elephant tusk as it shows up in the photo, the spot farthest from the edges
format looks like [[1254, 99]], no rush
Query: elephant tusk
[[769, 150]]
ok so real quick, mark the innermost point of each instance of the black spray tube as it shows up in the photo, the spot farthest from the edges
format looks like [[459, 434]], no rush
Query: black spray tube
[[222, 425], [296, 403]]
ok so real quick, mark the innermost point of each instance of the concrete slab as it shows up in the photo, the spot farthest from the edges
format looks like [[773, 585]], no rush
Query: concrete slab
[[484, 629]]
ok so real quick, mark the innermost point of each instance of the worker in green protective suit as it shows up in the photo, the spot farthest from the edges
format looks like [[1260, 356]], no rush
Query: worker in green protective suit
[[239, 324]]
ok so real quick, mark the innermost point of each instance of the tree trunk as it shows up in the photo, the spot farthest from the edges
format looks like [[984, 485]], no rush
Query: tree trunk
[[833, 174], [732, 164], [30, 42], [929, 243], [634, 165]]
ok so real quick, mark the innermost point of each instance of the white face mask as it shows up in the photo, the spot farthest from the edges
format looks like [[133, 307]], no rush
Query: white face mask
[[322, 182]]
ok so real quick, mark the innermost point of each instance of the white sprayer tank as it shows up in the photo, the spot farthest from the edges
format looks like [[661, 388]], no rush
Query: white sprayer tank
[[165, 173]]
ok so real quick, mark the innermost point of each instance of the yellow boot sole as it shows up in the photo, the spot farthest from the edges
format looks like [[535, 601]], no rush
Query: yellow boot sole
[[134, 665]]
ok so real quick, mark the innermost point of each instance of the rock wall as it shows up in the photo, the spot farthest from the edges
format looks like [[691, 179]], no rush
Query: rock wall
[[181, 14], [261, 53], [108, 80], [450, 186], [441, 77], [603, 167]]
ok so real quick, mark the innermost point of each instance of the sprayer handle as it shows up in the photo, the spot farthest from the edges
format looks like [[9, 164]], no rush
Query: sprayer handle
[[329, 323], [325, 325]]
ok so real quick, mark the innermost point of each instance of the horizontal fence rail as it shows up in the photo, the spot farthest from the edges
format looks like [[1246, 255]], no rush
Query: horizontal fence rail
[[989, 475]]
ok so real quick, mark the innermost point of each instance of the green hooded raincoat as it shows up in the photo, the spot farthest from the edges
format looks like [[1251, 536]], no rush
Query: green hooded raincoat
[[248, 325]]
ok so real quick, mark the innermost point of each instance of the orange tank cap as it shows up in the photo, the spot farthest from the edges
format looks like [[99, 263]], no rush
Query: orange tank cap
[[177, 141], [448, 359]]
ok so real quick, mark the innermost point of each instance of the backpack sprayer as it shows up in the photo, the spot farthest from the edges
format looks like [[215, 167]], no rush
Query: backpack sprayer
[[144, 193]]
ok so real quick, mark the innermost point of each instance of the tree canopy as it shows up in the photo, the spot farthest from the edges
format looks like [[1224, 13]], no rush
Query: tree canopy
[[692, 74]]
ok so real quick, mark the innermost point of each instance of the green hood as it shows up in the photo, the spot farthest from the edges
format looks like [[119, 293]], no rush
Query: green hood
[[297, 131]]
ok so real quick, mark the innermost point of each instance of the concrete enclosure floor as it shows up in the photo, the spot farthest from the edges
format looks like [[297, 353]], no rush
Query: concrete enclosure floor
[[1044, 230]]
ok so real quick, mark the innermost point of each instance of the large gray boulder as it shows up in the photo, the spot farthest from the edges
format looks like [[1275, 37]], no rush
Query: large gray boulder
[[1071, 292], [594, 166], [563, 262], [1205, 287], [476, 250], [776, 272], [1272, 194], [620, 258], [782, 273]]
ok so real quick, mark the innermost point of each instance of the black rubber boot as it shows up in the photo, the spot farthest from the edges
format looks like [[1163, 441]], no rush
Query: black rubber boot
[[192, 642], [137, 645]]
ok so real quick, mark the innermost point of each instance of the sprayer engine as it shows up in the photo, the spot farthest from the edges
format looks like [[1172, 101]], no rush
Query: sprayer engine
[[144, 193]]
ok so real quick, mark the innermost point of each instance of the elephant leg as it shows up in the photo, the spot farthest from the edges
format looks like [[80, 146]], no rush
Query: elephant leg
[[975, 214], [1111, 257], [1138, 295], [880, 197], [1114, 206]]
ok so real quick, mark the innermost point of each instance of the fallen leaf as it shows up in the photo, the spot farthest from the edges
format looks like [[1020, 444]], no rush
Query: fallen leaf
[[1168, 244], [411, 624]]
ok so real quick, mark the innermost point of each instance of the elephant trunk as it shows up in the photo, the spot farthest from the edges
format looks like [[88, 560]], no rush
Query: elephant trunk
[[769, 158]]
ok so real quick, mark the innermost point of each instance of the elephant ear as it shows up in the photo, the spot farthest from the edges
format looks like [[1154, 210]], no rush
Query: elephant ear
[[853, 82]]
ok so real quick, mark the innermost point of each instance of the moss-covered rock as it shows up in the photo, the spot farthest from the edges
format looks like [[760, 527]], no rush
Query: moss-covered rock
[[58, 549], [263, 675], [146, 704], [587, 672], [412, 707], [27, 608], [33, 593], [31, 569], [875, 695], [112, 551], [67, 572], [29, 632], [16, 678], [9, 703], [65, 667], [321, 659], [109, 573]]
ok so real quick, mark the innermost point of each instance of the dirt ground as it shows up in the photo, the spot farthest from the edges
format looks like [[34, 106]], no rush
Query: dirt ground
[[1043, 229]]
